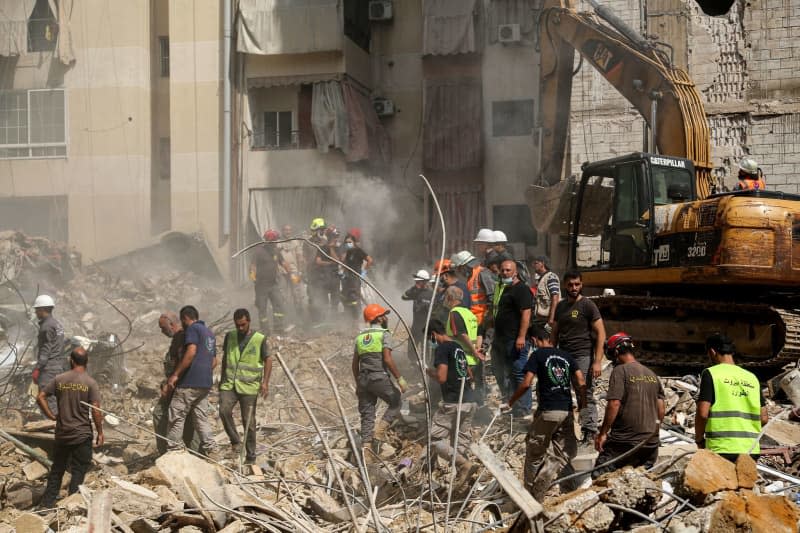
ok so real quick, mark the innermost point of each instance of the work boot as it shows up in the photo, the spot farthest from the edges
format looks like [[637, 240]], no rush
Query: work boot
[[380, 429]]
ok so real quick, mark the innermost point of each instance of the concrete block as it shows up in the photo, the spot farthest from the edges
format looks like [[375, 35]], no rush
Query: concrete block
[[630, 488], [746, 473], [34, 471], [749, 512], [580, 510], [707, 473], [30, 523]]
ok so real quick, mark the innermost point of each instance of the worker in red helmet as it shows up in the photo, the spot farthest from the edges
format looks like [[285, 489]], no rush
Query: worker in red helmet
[[372, 364], [356, 258], [264, 273], [634, 410]]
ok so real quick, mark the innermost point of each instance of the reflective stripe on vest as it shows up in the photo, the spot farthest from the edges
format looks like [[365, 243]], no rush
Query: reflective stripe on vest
[[734, 421], [472, 332], [243, 371], [477, 295]]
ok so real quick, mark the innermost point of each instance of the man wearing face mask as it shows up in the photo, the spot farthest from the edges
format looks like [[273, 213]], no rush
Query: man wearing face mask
[[360, 261], [512, 303], [371, 366]]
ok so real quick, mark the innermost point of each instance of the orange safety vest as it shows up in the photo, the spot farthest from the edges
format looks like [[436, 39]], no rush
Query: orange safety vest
[[477, 295], [751, 184]]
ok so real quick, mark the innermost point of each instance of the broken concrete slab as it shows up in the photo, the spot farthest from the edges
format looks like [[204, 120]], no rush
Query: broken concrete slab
[[771, 514], [134, 488], [34, 471], [746, 472], [580, 510], [630, 488], [707, 473], [783, 432], [30, 523]]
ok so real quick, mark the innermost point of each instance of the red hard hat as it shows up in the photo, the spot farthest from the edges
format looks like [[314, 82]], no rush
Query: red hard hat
[[441, 266], [616, 343], [271, 235], [355, 233], [373, 311]]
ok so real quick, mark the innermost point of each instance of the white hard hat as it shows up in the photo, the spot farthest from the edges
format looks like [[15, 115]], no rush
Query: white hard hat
[[422, 275], [43, 300], [748, 165], [461, 258], [484, 235], [499, 236]]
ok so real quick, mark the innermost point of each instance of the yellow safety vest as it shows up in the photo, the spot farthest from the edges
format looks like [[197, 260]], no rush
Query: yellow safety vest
[[734, 421], [243, 371], [369, 347], [471, 321]]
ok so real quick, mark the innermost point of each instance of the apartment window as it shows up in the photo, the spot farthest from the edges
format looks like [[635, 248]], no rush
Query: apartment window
[[33, 123], [512, 118], [277, 132], [42, 28], [163, 45]]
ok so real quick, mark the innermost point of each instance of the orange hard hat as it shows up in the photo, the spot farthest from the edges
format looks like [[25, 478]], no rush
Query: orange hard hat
[[441, 266], [373, 311]]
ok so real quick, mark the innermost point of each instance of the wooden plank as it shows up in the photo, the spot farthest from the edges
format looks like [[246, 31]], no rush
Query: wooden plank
[[510, 483]]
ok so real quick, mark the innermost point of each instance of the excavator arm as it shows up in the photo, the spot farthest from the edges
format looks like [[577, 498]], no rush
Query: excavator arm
[[634, 67]]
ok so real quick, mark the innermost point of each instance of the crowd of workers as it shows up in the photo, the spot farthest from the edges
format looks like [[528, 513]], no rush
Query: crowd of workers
[[486, 311]]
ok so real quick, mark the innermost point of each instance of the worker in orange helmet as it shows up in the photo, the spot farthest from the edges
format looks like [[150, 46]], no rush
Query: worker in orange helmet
[[372, 364], [750, 176], [264, 273]]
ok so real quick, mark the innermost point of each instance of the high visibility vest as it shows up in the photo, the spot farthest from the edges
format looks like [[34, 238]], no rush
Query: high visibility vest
[[369, 347], [243, 370], [498, 293], [734, 421], [472, 332], [477, 294], [747, 184]]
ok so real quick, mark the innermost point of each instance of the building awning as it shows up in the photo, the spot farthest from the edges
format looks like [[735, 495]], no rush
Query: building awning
[[283, 81], [289, 26], [452, 131], [448, 27]]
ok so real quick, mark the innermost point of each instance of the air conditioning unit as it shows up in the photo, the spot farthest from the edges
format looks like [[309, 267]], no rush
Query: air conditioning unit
[[383, 107], [380, 10], [508, 33]]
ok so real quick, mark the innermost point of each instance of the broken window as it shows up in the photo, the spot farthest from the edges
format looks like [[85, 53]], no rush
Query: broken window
[[163, 45], [512, 118], [33, 123], [42, 28]]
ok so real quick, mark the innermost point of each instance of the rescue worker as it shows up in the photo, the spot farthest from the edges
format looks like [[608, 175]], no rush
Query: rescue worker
[[372, 363], [292, 252], [634, 410], [246, 368], [267, 259], [501, 245], [439, 311], [315, 274], [420, 294], [548, 292], [328, 270], [480, 284], [730, 407], [50, 359], [170, 325], [550, 443], [750, 176], [462, 327], [447, 272], [449, 370], [484, 241], [356, 258], [73, 438]]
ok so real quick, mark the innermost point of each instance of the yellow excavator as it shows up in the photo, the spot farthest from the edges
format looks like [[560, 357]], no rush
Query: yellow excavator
[[683, 258]]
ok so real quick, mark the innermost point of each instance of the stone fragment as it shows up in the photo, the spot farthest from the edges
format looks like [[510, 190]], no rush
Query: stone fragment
[[30, 523], [143, 525], [730, 515], [134, 488], [707, 473], [771, 514], [153, 476], [73, 504], [746, 472], [783, 432], [34, 471], [169, 502], [580, 510], [234, 527], [630, 488]]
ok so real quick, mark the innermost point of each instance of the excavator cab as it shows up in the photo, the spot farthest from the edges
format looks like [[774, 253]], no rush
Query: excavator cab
[[620, 204]]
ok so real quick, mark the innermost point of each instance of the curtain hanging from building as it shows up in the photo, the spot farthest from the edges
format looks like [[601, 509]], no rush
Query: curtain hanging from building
[[289, 26], [63, 12], [463, 209], [329, 117], [368, 139], [272, 208], [14, 16], [452, 128], [448, 27], [511, 12]]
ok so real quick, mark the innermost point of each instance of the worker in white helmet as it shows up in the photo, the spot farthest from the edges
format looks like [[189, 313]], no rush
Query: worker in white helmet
[[50, 360], [750, 176], [501, 245], [484, 241], [420, 294]]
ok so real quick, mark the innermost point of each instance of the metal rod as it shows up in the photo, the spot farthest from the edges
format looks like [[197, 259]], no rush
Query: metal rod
[[27, 449], [455, 455]]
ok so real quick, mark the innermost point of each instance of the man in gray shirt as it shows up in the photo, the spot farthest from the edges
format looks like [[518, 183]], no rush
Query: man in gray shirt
[[50, 347]]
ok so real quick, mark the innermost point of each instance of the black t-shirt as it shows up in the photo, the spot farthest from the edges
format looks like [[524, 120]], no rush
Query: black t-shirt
[[515, 299], [574, 321], [451, 354], [266, 258], [706, 393], [553, 368], [354, 258]]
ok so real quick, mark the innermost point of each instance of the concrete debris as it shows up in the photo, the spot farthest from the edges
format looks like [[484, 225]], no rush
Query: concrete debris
[[707, 473], [34, 471], [581, 510], [629, 488], [30, 523]]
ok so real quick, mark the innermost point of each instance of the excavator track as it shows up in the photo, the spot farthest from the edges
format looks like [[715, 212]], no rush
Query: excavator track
[[671, 332]]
